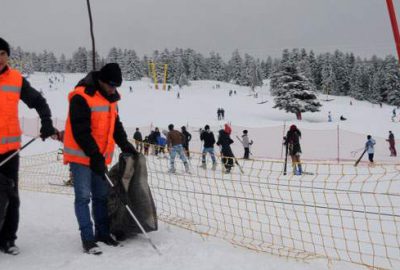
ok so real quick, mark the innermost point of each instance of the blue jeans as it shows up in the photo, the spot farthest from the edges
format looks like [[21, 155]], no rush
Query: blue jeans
[[209, 150], [88, 185], [177, 149]]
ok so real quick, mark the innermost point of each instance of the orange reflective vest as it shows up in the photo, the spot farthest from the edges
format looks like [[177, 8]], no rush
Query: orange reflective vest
[[103, 116], [10, 92]]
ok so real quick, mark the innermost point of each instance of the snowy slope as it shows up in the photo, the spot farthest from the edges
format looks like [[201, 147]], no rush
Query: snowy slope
[[49, 237]]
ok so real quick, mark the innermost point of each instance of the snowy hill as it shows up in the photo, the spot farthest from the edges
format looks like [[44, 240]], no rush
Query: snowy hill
[[147, 108], [49, 237]]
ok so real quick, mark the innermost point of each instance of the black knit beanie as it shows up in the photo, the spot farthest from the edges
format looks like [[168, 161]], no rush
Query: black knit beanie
[[111, 74], [4, 46]]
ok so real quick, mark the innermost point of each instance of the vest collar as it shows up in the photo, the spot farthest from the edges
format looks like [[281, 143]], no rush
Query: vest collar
[[5, 69], [91, 84]]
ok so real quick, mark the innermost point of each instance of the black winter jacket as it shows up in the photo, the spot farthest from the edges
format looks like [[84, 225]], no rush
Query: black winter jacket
[[208, 138], [80, 117], [225, 141]]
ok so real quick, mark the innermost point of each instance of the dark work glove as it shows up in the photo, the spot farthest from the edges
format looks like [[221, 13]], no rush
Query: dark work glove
[[129, 148], [98, 164], [47, 129]]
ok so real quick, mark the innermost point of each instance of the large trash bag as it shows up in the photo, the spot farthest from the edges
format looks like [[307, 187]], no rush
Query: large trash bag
[[129, 176], [6, 189]]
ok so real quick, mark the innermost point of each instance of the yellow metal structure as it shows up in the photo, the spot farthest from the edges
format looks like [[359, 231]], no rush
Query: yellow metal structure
[[165, 76]]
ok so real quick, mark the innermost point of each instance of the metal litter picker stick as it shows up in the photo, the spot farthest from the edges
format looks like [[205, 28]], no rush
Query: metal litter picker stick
[[19, 150], [136, 220]]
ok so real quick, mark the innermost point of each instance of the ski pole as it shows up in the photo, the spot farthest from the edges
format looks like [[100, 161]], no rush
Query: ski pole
[[240, 167], [134, 218], [19, 150]]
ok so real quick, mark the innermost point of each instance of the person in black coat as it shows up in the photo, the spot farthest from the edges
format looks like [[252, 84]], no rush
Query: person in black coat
[[292, 140], [225, 141], [137, 136], [207, 136], [186, 141]]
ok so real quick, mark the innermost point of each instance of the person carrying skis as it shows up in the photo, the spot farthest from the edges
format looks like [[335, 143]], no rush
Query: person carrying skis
[[246, 143], [292, 140], [174, 143], [187, 137], [207, 136], [91, 131], [13, 88], [225, 141], [392, 148], [369, 147]]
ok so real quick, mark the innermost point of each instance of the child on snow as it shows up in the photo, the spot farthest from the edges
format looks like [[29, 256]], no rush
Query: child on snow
[[246, 144]]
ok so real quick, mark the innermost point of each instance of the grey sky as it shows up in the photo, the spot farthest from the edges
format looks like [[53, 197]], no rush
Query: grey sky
[[258, 27]]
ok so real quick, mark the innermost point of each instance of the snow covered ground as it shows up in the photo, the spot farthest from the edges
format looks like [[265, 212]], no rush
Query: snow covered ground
[[49, 238]]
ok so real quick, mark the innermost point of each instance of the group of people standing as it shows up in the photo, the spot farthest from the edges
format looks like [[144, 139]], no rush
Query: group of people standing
[[221, 114], [159, 141]]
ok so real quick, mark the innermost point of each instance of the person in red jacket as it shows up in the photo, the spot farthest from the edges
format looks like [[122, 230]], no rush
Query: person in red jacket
[[13, 88]]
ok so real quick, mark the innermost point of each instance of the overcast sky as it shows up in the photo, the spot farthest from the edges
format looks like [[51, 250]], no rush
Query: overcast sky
[[258, 27]]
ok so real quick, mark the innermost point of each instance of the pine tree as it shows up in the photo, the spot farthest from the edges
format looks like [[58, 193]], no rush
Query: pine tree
[[133, 68], [79, 60], [183, 80], [293, 92], [359, 82], [216, 67], [235, 66], [392, 80]]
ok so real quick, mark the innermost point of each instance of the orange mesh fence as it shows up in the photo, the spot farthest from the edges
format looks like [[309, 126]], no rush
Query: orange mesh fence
[[334, 211]]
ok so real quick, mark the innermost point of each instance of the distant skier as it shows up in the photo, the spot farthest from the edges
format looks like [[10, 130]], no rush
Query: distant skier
[[225, 141], [207, 136], [222, 113], [369, 147], [187, 137], [393, 114], [329, 117], [292, 140], [392, 148], [246, 144], [219, 114]]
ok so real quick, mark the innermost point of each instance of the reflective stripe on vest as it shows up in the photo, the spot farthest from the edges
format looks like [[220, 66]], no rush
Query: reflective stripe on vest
[[10, 88], [74, 152], [100, 109], [12, 139], [10, 93]]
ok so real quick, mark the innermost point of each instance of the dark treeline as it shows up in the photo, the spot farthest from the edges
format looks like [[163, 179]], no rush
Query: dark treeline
[[374, 79]]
